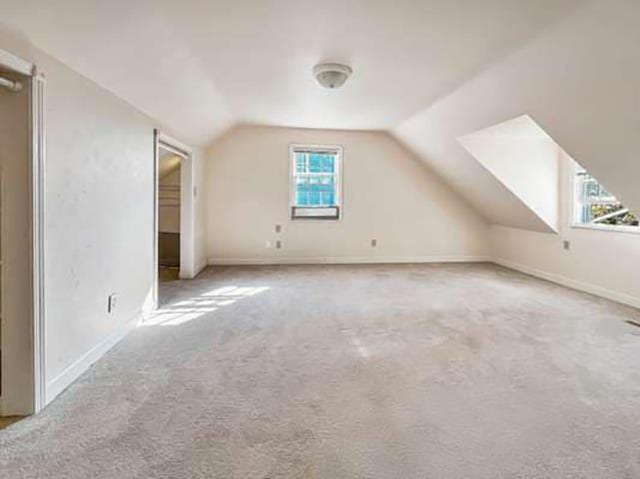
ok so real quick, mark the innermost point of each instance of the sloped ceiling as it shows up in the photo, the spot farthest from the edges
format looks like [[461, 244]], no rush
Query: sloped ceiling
[[199, 66], [526, 160], [168, 163], [580, 81], [431, 71]]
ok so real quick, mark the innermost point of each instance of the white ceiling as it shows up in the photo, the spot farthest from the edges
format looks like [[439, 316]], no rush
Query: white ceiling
[[199, 66], [579, 81]]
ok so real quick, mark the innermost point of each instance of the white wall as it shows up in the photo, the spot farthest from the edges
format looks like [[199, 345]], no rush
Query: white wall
[[602, 262], [99, 216], [387, 195]]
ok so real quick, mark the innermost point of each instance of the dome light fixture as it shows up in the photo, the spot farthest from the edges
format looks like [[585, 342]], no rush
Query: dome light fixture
[[331, 75]]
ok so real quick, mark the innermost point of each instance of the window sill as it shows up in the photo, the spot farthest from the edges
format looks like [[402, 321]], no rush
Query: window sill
[[608, 228], [324, 213]]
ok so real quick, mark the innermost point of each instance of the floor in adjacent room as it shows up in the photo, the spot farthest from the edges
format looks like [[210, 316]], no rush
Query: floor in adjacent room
[[376, 371]]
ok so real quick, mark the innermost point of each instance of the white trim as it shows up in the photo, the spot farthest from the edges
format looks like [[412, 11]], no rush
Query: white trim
[[188, 194], [61, 382], [175, 146], [187, 217], [348, 260], [156, 222], [339, 150], [634, 230], [199, 268], [16, 64], [574, 222], [616, 296], [38, 239]]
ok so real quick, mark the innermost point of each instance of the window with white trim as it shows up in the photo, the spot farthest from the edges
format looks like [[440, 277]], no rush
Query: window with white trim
[[315, 182], [594, 206]]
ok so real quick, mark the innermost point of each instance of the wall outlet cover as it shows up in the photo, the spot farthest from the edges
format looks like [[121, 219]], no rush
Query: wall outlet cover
[[111, 302]]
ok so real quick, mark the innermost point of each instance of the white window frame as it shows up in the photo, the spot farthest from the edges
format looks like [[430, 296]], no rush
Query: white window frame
[[574, 208], [315, 213]]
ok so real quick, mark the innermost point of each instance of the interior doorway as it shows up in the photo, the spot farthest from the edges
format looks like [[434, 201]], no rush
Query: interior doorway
[[174, 199], [22, 373], [169, 172]]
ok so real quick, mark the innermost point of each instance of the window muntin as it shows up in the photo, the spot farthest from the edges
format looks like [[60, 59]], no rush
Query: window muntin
[[595, 206], [315, 182]]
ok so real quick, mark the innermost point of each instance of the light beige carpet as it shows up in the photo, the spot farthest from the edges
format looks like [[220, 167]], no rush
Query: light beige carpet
[[407, 371]]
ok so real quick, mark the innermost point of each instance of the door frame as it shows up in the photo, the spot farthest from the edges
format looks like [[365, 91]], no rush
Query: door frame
[[187, 204], [31, 397]]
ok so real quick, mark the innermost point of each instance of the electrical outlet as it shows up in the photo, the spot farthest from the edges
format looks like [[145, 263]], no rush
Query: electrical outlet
[[111, 302], [374, 243], [278, 244], [278, 228], [267, 244], [566, 244]]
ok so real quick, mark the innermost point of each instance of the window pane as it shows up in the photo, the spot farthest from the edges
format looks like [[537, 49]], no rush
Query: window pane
[[315, 190], [315, 179], [321, 163], [301, 162], [597, 206], [328, 163]]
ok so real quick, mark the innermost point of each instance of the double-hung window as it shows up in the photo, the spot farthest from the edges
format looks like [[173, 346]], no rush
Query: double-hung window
[[315, 182], [595, 207]]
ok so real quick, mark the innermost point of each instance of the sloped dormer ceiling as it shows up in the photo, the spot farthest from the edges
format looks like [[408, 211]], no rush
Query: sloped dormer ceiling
[[526, 160], [580, 81]]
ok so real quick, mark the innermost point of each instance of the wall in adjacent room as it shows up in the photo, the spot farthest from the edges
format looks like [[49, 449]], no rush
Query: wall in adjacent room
[[16, 254], [387, 195], [169, 218], [169, 203]]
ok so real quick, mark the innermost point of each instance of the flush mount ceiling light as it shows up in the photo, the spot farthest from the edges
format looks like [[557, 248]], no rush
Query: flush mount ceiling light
[[331, 75]]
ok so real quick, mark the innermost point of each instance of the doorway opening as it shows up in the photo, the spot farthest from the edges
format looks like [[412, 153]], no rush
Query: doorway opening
[[22, 379], [169, 170], [174, 198]]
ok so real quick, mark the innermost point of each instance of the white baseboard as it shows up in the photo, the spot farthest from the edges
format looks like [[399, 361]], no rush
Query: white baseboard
[[347, 260], [616, 296], [82, 364], [199, 268]]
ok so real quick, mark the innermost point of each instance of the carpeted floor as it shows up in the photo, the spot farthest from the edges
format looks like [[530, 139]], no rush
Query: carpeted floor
[[383, 371]]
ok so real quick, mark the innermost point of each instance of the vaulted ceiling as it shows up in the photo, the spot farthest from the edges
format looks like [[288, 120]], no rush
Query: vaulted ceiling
[[579, 81], [199, 66], [429, 71]]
